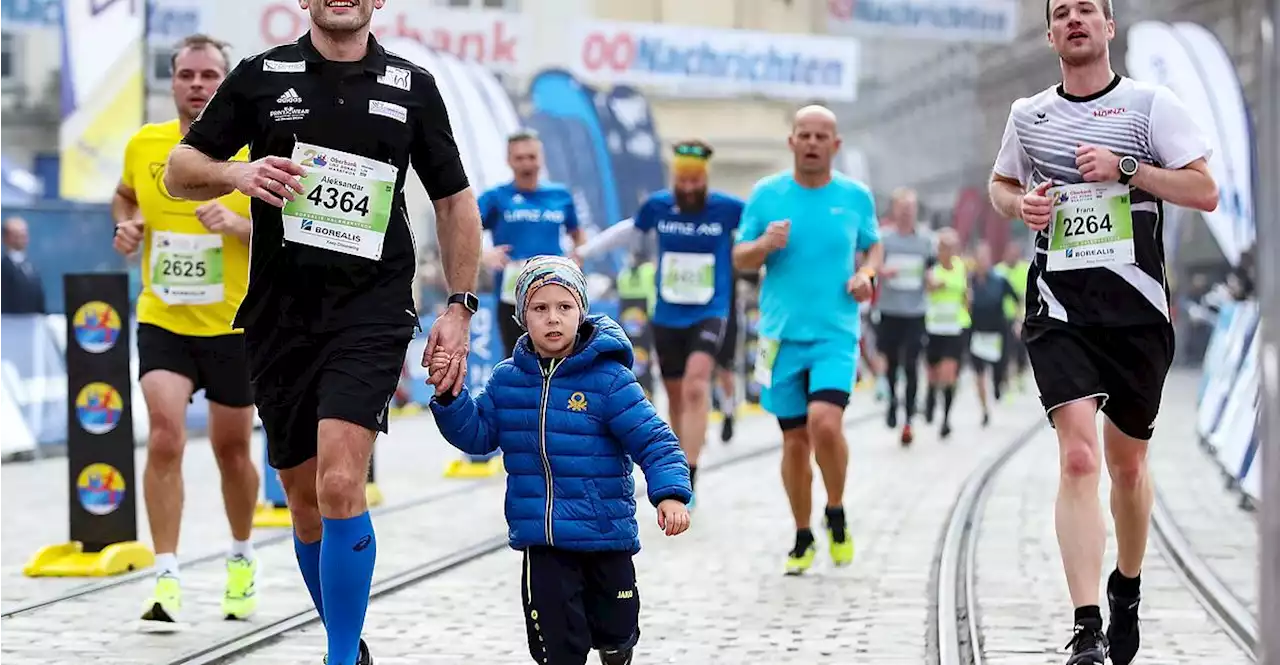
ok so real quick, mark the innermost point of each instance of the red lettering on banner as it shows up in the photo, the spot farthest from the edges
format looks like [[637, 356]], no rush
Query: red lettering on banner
[[280, 24], [600, 51], [493, 44]]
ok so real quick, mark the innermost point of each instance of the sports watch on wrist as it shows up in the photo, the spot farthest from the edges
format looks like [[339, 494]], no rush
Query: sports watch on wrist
[[468, 300], [1128, 168]]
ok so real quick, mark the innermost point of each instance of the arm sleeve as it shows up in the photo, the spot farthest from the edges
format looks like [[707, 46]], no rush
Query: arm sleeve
[[227, 122], [618, 235], [868, 226], [1012, 161], [644, 220], [434, 154], [1176, 138], [648, 440], [488, 210], [468, 424], [127, 176], [752, 224], [571, 215]]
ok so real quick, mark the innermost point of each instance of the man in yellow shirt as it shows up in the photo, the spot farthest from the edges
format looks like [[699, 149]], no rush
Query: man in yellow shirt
[[195, 271]]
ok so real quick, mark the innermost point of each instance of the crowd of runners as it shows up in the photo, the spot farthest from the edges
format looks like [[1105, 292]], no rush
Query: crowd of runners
[[312, 325]]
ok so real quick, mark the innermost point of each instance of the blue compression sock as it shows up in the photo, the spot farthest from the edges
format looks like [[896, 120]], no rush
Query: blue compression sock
[[309, 564], [346, 572]]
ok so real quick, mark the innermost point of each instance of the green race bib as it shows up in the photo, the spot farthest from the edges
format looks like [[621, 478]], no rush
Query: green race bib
[[509, 276], [988, 346], [186, 268], [766, 355], [346, 205], [688, 279], [1091, 226]]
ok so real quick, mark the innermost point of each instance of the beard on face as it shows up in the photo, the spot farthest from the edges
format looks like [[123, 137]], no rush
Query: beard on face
[[1081, 58], [352, 21], [691, 201]]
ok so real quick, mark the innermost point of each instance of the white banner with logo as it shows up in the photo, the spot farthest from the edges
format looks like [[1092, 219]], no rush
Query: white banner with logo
[[1190, 62], [496, 39], [698, 62], [941, 20]]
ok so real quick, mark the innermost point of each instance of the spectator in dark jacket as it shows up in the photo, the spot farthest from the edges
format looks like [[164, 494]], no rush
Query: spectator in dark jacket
[[22, 291], [570, 419]]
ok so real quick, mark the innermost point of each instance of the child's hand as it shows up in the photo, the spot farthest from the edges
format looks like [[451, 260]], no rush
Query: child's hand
[[673, 517], [439, 359]]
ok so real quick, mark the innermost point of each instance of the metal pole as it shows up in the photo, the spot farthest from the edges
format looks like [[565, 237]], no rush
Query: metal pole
[[1267, 197]]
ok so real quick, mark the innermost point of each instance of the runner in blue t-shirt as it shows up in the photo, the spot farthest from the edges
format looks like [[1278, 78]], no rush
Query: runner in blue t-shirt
[[805, 227], [695, 228], [524, 219]]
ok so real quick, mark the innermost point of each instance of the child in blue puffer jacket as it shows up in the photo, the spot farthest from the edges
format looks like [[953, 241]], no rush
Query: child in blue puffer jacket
[[570, 417]]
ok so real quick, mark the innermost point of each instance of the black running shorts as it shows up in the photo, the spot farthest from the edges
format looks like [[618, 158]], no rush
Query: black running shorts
[[1123, 366], [675, 345], [899, 336], [301, 378], [507, 326], [945, 347], [217, 364]]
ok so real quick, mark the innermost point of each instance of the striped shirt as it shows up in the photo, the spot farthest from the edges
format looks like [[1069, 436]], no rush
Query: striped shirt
[[1128, 118]]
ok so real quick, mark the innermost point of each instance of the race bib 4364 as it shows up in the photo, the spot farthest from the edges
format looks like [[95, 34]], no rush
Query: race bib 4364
[[346, 204]]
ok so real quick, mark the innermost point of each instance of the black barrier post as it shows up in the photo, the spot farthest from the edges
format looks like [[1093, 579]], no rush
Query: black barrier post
[[634, 313], [100, 437]]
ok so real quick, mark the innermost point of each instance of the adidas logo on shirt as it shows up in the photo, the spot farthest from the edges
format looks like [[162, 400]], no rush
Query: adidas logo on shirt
[[290, 96]]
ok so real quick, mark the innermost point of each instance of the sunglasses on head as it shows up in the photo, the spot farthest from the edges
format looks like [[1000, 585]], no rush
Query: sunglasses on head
[[691, 150]]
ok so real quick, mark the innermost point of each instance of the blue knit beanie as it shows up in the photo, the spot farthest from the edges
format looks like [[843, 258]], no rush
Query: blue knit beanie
[[543, 270]]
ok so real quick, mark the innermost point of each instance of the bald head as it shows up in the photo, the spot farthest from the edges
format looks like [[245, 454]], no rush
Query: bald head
[[814, 141], [815, 114], [15, 234]]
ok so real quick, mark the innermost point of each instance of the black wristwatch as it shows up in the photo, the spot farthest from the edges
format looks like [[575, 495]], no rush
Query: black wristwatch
[[1128, 168], [468, 300]]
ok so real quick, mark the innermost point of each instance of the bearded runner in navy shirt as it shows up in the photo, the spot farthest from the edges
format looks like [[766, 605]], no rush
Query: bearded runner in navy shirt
[[524, 219], [695, 228]]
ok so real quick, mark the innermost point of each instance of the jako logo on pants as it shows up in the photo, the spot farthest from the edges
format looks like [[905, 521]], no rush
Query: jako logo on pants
[[774, 65]]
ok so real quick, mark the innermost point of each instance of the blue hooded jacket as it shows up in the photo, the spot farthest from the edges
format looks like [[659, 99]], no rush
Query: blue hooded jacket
[[569, 431]]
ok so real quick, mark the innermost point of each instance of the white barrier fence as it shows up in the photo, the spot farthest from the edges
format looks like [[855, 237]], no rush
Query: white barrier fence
[[1229, 397]]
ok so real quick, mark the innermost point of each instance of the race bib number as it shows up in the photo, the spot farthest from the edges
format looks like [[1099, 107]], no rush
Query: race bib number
[[346, 204], [909, 275], [943, 319], [766, 355], [186, 268], [1092, 226], [688, 279], [987, 346], [509, 276]]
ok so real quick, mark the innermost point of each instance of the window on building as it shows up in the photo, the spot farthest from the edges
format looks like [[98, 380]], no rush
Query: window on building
[[161, 63], [7, 53]]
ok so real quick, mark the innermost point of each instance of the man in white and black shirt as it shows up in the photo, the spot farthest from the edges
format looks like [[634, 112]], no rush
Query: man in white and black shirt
[[1088, 164]]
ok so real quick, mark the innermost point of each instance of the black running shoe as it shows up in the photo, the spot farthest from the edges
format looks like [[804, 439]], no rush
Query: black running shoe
[[726, 428], [986, 419], [891, 418], [946, 430], [615, 657], [1122, 632], [364, 658], [1087, 645]]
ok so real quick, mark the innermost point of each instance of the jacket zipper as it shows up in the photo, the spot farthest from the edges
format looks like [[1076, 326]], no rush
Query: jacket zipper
[[542, 444]]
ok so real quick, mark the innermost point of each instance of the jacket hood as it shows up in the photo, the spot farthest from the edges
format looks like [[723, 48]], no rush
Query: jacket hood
[[599, 338]]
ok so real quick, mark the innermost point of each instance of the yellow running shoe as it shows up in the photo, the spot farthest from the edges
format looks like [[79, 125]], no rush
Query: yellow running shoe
[[241, 599], [160, 614], [841, 551], [798, 561]]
